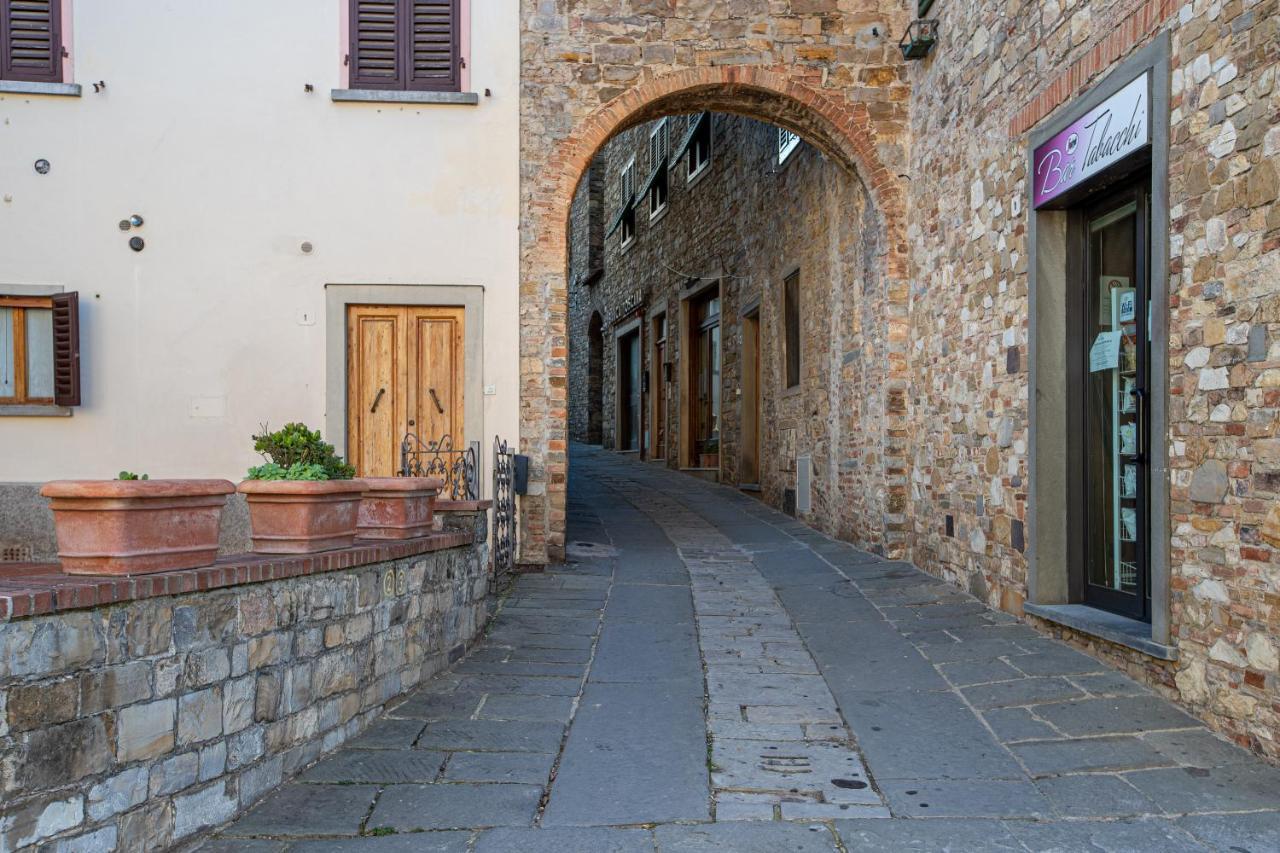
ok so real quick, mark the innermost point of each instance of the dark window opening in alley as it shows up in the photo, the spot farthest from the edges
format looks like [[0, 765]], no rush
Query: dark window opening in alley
[[720, 331]]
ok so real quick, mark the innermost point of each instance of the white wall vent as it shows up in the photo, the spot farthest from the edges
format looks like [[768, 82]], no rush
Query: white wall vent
[[804, 483]]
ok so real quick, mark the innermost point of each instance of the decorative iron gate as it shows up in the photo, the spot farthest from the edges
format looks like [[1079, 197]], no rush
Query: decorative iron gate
[[504, 507], [456, 466]]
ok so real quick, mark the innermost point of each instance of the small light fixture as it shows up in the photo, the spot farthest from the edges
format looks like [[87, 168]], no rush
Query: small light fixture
[[919, 38], [42, 166]]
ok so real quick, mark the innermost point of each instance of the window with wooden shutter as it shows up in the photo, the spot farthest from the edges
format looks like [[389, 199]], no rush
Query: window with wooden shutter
[[31, 40], [406, 44], [39, 350]]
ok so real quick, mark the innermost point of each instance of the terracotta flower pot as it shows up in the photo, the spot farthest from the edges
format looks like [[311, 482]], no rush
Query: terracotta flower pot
[[132, 527], [397, 507], [302, 516]]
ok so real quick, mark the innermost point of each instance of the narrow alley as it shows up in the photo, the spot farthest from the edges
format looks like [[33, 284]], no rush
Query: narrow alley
[[709, 674]]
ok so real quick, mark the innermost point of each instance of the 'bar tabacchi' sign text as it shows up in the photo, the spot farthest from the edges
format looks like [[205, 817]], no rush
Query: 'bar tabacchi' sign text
[[1108, 132]]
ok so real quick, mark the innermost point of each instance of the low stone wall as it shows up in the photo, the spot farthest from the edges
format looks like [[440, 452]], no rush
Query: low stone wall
[[135, 724]]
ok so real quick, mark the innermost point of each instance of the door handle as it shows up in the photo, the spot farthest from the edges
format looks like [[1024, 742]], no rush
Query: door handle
[[1140, 425], [376, 400], [436, 400]]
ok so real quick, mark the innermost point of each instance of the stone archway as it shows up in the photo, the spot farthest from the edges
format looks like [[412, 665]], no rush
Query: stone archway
[[854, 133]]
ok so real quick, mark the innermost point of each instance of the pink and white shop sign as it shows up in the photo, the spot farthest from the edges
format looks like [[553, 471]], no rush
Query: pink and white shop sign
[[1107, 133]]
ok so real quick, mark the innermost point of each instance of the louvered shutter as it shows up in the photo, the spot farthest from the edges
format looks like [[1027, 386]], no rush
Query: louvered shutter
[[376, 40], [31, 40], [434, 61], [66, 349]]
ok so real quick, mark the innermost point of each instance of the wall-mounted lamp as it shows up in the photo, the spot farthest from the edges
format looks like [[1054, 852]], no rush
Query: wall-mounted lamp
[[919, 38]]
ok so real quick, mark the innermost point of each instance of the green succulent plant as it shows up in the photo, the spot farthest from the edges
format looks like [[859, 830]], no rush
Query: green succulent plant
[[297, 453], [129, 475]]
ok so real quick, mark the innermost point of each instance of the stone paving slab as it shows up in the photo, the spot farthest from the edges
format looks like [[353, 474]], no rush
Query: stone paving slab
[[377, 766], [951, 835], [745, 838], [636, 754], [492, 736], [411, 808], [418, 842], [527, 767], [308, 810], [703, 672], [565, 840]]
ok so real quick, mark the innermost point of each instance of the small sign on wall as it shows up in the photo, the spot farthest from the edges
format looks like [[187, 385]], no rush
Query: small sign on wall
[[1109, 132]]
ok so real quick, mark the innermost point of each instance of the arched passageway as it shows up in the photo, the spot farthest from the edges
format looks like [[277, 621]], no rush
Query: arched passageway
[[842, 129]]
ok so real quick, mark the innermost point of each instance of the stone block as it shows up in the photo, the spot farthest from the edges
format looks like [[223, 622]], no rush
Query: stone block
[[43, 703], [258, 780], [147, 828], [245, 747], [199, 716], [117, 794], [114, 687], [38, 819], [145, 731], [56, 756], [207, 666], [204, 808], [175, 774], [238, 703], [213, 760], [140, 631]]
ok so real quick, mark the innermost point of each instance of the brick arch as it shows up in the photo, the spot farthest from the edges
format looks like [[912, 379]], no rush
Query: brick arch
[[843, 129]]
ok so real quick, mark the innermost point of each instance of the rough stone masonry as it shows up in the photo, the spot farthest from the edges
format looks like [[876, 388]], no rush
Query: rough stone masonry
[[133, 726], [941, 147]]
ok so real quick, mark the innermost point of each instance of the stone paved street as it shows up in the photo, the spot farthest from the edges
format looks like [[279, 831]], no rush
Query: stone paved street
[[708, 674]]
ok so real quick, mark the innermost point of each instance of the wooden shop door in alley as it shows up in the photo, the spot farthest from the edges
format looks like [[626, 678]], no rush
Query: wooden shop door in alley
[[404, 375]]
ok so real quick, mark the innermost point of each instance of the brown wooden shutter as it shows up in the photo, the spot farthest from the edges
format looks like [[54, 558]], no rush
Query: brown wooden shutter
[[66, 349], [376, 44], [31, 40], [434, 61]]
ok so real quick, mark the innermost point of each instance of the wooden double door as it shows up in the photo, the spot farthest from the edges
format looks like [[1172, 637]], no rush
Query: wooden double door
[[404, 375]]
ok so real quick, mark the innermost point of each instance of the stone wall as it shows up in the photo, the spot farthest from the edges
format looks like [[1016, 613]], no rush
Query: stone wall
[[974, 100], [747, 222], [134, 725]]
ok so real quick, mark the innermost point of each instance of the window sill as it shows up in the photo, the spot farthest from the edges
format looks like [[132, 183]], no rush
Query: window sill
[[402, 96], [1108, 626], [655, 216], [35, 410], [696, 177], [28, 87]]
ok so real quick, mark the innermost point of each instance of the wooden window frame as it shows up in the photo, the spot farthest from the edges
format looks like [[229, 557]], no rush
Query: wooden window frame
[[695, 166], [404, 80], [792, 350], [57, 71], [20, 304]]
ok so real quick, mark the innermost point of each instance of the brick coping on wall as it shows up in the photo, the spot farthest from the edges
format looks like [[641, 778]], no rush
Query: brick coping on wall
[[35, 589]]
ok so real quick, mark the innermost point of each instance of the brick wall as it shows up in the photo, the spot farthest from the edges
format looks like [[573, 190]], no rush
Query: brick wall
[[134, 725]]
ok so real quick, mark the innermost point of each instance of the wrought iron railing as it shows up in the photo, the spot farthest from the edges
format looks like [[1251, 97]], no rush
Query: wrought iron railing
[[455, 465], [504, 507]]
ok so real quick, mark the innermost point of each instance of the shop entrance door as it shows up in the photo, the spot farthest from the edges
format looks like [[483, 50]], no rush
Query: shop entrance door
[[1116, 356]]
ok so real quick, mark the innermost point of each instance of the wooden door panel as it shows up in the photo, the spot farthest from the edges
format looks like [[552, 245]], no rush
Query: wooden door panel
[[375, 389], [407, 352], [436, 403]]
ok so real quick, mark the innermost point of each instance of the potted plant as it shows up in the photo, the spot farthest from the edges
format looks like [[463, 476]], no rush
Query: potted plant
[[303, 498], [397, 507], [135, 525], [709, 456]]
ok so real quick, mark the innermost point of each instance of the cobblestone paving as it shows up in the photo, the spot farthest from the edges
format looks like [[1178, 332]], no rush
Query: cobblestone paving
[[709, 675]]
